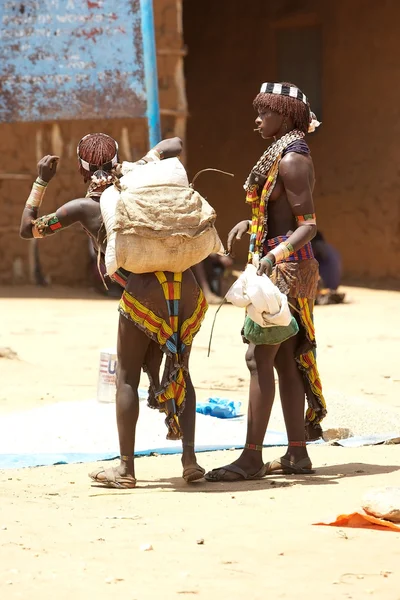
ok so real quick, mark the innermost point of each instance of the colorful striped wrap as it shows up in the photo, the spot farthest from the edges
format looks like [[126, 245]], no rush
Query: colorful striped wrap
[[259, 209], [307, 364], [173, 339]]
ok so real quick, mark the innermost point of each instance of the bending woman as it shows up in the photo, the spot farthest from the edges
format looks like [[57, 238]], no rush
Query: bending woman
[[160, 313]]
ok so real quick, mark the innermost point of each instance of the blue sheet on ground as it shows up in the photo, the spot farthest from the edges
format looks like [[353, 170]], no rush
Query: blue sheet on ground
[[275, 438], [17, 461], [369, 440]]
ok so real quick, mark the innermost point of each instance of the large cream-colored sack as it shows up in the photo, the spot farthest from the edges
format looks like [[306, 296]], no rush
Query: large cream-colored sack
[[175, 253], [157, 223], [158, 172], [162, 211], [135, 175]]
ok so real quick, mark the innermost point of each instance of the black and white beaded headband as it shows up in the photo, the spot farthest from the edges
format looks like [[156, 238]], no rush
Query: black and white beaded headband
[[106, 166], [283, 90]]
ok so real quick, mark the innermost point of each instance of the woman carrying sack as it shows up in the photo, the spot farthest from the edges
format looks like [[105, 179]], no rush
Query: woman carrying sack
[[160, 313]]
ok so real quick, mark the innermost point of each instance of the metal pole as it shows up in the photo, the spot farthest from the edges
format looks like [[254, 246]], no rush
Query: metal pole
[[150, 71]]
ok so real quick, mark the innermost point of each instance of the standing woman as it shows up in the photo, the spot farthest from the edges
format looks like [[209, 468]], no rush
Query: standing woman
[[279, 190]]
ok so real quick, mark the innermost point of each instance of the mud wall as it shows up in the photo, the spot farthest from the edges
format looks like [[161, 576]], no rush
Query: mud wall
[[232, 49]]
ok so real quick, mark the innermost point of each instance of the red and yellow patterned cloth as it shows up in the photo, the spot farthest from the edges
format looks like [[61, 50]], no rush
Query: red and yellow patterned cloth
[[174, 339]]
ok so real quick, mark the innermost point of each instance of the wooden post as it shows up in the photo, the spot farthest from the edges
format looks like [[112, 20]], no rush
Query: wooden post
[[182, 108]]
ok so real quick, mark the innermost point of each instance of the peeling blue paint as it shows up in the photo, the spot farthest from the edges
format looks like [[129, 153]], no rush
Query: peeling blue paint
[[71, 59]]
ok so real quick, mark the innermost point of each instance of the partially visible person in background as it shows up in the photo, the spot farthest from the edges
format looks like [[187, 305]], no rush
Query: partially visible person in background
[[209, 274], [330, 271]]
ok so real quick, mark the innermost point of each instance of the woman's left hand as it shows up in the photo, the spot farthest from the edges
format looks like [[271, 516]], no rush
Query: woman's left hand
[[265, 266]]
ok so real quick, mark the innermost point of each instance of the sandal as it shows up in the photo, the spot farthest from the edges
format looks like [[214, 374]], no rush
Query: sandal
[[193, 473], [282, 466], [219, 474], [111, 478]]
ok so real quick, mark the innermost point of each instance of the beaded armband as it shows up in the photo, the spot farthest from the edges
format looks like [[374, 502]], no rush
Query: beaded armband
[[309, 219], [45, 225]]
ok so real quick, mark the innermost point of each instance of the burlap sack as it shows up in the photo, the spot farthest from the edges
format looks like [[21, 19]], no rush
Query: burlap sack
[[157, 222], [161, 211], [176, 253]]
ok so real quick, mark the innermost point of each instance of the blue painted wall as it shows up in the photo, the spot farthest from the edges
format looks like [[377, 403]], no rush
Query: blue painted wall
[[71, 59]]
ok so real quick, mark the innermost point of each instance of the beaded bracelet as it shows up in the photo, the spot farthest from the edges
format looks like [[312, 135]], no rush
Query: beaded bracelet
[[282, 252], [36, 196], [41, 181], [268, 260]]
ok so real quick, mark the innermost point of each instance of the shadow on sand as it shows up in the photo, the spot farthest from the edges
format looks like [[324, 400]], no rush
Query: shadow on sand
[[329, 475]]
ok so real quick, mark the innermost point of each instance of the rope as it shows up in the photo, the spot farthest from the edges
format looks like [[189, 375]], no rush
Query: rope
[[224, 301], [205, 170]]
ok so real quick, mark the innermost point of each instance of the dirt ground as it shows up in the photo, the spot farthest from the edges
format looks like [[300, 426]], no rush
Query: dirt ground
[[60, 536]]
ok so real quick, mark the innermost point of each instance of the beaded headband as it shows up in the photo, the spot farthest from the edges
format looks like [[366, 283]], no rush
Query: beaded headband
[[106, 166], [293, 92], [283, 90]]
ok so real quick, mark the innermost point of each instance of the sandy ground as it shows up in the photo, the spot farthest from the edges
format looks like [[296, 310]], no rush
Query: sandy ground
[[61, 536]]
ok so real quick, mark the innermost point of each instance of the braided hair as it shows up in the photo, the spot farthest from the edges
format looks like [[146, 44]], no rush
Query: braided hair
[[97, 149], [286, 106]]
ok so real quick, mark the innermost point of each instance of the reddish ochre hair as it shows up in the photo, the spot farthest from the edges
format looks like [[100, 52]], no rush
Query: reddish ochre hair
[[286, 106], [96, 149]]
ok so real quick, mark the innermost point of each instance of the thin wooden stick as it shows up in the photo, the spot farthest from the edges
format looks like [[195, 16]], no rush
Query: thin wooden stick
[[16, 176], [171, 112], [172, 52]]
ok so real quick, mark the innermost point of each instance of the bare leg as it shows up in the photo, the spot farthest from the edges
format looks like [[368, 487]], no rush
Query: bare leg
[[292, 392], [191, 469], [132, 347], [260, 361], [131, 350]]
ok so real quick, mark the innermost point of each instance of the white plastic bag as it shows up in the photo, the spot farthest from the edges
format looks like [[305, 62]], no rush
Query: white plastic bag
[[236, 294], [266, 304]]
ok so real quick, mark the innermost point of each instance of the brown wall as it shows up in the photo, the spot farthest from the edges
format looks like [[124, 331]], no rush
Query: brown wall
[[232, 50], [64, 257]]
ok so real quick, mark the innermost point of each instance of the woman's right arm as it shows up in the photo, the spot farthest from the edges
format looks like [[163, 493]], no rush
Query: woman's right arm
[[33, 226]]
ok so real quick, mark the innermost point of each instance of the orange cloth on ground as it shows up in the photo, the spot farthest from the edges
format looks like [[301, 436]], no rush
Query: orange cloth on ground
[[362, 520]]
